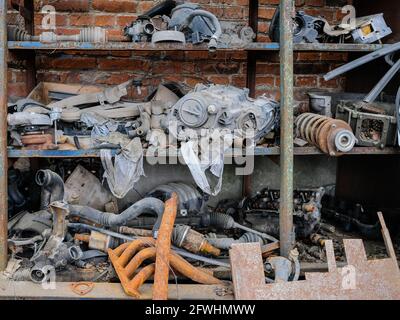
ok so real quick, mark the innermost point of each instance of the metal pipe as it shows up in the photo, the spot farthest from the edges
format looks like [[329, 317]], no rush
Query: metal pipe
[[286, 61], [163, 249], [371, 97], [3, 137]]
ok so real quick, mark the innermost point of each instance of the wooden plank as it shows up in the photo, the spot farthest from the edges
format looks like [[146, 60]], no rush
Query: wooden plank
[[101, 291]]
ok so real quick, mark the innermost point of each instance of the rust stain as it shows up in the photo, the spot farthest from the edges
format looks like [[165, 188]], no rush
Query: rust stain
[[160, 288]]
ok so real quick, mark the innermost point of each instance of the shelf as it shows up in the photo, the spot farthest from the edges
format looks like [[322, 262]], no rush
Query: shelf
[[260, 151], [126, 46]]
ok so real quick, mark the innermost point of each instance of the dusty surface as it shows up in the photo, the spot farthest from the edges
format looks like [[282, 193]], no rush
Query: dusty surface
[[315, 253]]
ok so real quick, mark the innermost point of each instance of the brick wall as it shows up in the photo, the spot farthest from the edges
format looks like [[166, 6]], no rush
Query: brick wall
[[188, 68]]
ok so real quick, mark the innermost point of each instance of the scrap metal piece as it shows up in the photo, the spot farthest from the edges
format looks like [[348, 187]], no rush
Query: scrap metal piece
[[163, 249], [333, 137], [222, 107], [82, 288], [110, 95], [306, 28], [370, 29], [193, 241], [321, 103], [38, 141], [85, 189], [383, 83], [360, 279], [127, 258], [373, 124], [168, 36], [363, 60], [247, 269]]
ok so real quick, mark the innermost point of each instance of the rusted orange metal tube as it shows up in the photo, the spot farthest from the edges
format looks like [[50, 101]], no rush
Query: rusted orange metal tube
[[136, 262], [139, 279], [193, 273], [133, 248], [163, 249]]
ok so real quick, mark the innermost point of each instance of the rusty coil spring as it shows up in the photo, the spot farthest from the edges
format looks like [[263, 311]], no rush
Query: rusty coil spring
[[332, 136]]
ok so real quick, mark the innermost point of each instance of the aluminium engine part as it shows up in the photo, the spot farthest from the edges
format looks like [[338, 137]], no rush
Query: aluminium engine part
[[27, 105], [91, 34], [52, 187], [143, 28], [306, 28], [168, 36], [20, 119], [370, 29], [140, 30], [191, 201], [55, 253], [109, 95], [84, 188], [223, 107], [321, 103], [333, 137], [202, 25], [371, 129]]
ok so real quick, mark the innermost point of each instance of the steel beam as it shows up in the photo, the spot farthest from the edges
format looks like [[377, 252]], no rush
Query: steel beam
[[3, 136], [287, 150]]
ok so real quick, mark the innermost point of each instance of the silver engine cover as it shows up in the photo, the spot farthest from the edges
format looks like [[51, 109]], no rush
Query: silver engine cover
[[223, 107]]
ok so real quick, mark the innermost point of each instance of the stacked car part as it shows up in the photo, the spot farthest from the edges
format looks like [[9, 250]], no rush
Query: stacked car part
[[333, 137]]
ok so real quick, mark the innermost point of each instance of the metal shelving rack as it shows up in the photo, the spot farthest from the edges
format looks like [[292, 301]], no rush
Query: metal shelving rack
[[287, 150]]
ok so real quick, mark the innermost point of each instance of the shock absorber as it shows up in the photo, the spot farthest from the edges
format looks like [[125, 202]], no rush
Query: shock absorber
[[332, 136]]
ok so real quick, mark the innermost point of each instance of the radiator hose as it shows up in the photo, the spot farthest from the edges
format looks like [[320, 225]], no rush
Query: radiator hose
[[52, 187], [146, 205], [212, 45]]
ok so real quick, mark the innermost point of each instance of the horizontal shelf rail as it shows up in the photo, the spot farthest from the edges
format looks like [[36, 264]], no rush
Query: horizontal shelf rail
[[259, 151], [117, 46]]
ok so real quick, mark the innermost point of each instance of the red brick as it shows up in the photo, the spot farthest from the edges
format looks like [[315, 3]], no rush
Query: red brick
[[140, 66], [104, 20], [118, 6], [306, 81], [64, 5]]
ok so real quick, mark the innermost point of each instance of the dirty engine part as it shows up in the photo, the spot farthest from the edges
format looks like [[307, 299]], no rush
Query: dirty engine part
[[223, 107], [333, 137], [374, 124]]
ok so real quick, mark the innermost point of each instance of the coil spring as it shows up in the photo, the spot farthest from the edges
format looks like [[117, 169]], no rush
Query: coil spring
[[332, 136]]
